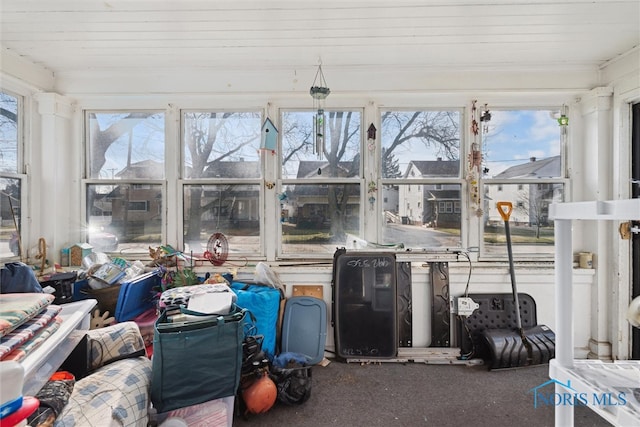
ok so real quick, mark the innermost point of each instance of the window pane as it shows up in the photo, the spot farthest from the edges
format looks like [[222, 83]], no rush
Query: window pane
[[422, 216], [221, 144], [8, 133], [529, 224], [233, 210], [9, 217], [315, 218], [522, 144], [341, 156], [421, 138], [124, 218], [126, 145]]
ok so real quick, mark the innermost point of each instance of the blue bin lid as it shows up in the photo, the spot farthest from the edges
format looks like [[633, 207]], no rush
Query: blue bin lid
[[304, 327]]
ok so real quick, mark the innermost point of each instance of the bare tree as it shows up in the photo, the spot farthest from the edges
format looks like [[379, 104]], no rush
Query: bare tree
[[341, 153], [103, 138], [208, 144], [438, 130], [534, 204]]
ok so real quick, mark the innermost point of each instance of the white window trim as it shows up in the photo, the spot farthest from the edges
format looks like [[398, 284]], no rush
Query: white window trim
[[22, 173]]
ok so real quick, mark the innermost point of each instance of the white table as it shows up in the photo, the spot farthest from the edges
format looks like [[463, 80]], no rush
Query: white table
[[592, 377], [40, 364]]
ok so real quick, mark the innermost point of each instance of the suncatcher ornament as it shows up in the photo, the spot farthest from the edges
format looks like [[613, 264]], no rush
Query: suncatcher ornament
[[563, 120], [475, 159], [319, 92]]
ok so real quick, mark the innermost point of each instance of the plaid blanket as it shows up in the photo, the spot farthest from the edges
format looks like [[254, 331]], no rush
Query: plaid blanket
[[115, 395], [16, 309], [27, 330], [27, 347]]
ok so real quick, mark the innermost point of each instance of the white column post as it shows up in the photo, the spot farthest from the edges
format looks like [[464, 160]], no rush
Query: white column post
[[596, 237], [52, 171], [564, 310]]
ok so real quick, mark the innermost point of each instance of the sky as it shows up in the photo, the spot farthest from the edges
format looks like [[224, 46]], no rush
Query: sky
[[510, 138], [516, 136]]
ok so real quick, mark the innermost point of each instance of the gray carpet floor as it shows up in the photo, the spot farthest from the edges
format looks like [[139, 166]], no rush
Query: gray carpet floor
[[414, 394]]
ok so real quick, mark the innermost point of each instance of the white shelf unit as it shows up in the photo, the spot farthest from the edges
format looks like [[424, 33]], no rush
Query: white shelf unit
[[588, 376], [40, 364]]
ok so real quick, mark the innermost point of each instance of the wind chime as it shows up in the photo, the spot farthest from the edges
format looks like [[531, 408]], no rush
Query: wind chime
[[319, 92]]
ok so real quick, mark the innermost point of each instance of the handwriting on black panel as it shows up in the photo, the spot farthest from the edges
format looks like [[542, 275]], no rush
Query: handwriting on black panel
[[368, 263]]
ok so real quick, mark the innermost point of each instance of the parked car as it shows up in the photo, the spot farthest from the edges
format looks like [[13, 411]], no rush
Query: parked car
[[103, 241]]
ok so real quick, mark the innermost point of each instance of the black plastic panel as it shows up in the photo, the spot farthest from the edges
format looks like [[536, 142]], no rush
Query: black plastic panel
[[365, 305], [440, 313], [405, 326]]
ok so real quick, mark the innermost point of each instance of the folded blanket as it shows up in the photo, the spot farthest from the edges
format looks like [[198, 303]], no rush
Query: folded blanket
[[176, 297], [23, 351], [16, 309], [27, 330]]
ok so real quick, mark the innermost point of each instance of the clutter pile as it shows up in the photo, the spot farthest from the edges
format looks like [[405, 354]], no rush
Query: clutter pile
[[202, 349], [232, 327]]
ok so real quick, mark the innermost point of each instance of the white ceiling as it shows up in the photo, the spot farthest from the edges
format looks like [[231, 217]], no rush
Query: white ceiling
[[130, 37]]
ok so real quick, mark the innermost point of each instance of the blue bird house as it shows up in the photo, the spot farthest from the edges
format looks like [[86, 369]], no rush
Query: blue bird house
[[269, 136]]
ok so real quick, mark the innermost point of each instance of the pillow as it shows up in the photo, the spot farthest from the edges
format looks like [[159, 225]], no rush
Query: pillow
[[114, 395], [115, 342]]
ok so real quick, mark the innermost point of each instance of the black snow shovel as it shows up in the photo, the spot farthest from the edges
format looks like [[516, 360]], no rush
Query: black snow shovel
[[510, 348]]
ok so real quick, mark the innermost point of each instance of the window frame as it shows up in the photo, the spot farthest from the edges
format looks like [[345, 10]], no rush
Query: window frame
[[281, 182], [184, 182], [562, 179], [370, 222], [439, 181], [21, 172], [86, 182]]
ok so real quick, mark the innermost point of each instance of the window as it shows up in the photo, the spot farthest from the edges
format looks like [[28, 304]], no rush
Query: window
[[222, 170], [11, 178], [421, 148], [320, 191], [313, 193], [125, 186], [523, 154], [138, 205]]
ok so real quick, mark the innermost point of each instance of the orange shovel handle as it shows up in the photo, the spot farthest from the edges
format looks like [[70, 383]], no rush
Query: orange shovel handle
[[505, 209]]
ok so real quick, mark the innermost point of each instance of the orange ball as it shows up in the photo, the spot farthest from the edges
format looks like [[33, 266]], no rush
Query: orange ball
[[261, 395]]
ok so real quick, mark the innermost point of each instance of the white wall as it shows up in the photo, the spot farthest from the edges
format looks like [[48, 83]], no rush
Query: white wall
[[537, 281]]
